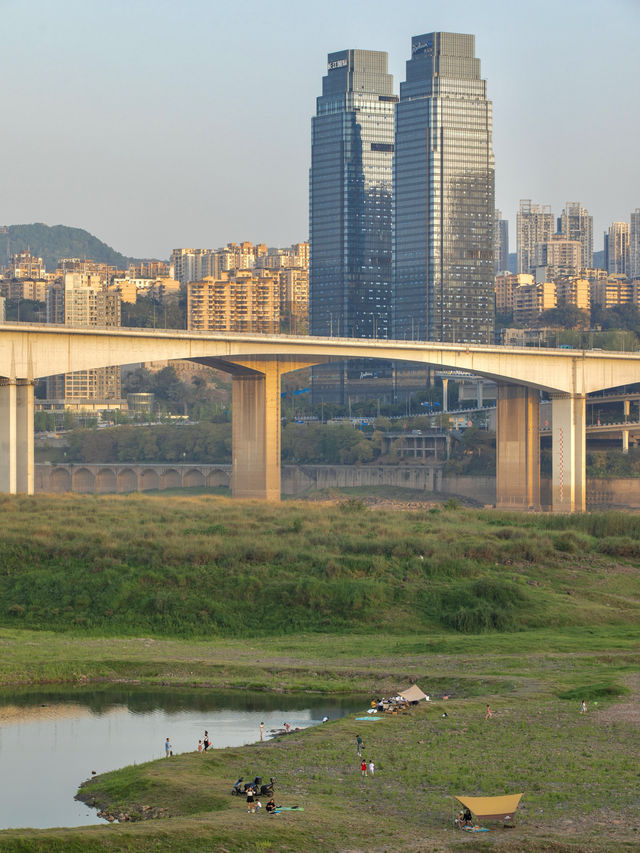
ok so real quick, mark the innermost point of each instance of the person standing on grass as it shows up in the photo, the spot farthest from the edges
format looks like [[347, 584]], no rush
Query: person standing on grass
[[261, 731], [363, 767], [489, 713], [167, 748], [251, 806], [206, 742], [583, 707], [359, 744], [372, 768], [199, 746]]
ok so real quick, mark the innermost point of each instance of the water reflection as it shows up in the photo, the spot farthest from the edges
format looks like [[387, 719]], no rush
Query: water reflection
[[50, 740]]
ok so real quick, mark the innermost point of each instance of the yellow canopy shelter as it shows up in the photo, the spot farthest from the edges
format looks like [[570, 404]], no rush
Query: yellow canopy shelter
[[492, 808]]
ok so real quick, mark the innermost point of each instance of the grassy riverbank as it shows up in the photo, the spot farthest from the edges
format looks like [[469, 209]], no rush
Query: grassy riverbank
[[579, 773], [531, 613], [203, 567]]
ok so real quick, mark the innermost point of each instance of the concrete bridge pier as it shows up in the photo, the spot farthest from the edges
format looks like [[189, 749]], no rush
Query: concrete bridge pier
[[569, 452], [256, 428], [16, 436], [517, 447]]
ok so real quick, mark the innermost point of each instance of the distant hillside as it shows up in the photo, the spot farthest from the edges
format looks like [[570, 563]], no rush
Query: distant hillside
[[52, 242]]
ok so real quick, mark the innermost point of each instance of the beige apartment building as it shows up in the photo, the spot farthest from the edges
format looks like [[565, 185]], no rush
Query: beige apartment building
[[574, 291], [237, 301], [611, 291], [506, 283], [530, 300], [25, 288]]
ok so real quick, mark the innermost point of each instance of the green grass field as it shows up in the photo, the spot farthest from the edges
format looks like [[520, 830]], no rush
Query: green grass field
[[530, 613]]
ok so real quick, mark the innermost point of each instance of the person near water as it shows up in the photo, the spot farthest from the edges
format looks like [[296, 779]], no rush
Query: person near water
[[359, 744], [206, 742], [287, 727], [251, 806], [261, 731], [363, 767], [199, 746], [167, 748], [372, 768]]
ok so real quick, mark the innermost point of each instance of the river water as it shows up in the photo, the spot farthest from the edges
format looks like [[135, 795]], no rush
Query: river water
[[50, 741]]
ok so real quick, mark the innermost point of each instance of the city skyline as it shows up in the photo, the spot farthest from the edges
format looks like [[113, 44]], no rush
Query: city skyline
[[155, 127]]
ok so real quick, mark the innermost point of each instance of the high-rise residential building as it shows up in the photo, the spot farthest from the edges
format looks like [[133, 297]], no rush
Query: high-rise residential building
[[444, 195], [350, 197], [294, 300], [501, 243], [238, 301], [634, 244], [534, 225], [616, 248], [576, 224], [560, 254], [79, 299]]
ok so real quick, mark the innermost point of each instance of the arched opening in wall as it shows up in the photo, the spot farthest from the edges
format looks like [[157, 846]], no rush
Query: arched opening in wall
[[170, 479], [218, 478], [194, 479], [60, 480], [83, 480], [127, 480], [106, 481], [149, 480]]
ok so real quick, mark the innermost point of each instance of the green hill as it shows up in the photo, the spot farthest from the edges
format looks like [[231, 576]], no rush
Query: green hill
[[52, 242]]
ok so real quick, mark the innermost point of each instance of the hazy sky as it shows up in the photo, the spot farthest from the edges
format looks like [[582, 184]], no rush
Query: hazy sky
[[157, 124]]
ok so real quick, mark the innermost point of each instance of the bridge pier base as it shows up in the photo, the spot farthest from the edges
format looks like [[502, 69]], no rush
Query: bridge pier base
[[517, 447], [569, 453], [16, 436]]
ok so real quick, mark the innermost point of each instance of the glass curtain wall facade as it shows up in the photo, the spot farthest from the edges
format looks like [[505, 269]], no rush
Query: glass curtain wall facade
[[444, 195], [350, 198], [350, 215]]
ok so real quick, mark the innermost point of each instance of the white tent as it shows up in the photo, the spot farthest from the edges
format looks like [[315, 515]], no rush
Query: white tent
[[413, 694]]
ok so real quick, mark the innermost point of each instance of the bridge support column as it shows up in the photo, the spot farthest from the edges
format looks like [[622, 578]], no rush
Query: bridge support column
[[517, 447], [16, 436], [569, 453], [256, 434], [625, 440]]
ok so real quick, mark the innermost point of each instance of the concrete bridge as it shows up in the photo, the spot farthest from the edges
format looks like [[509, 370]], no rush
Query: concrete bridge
[[257, 363]]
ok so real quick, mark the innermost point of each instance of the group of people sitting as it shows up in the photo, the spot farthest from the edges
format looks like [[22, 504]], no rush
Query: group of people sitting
[[464, 818], [390, 705]]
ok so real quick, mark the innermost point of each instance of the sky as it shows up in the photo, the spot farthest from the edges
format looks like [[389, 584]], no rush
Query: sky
[[156, 124]]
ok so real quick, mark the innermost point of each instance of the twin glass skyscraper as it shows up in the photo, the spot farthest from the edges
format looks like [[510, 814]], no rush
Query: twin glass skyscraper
[[350, 198], [402, 217]]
